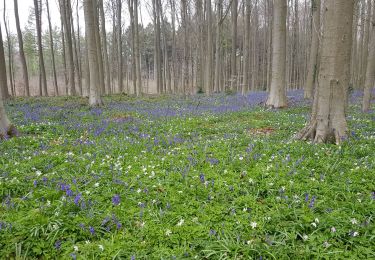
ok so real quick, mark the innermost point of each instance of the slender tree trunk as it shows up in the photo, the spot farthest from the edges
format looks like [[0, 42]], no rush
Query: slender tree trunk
[[137, 51], [3, 74], [246, 60], [209, 58], [233, 67], [105, 48], [52, 51], [25, 73], [38, 16], [185, 64], [65, 8], [370, 69], [64, 57], [157, 41], [218, 60], [313, 64], [328, 122], [277, 96], [119, 45], [92, 28], [10, 68]]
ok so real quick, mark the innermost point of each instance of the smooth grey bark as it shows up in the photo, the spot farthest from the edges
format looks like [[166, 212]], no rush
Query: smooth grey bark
[[246, 60], [277, 96], [370, 69], [52, 51], [25, 73], [43, 79], [91, 32], [3, 71], [328, 122], [313, 64], [107, 71]]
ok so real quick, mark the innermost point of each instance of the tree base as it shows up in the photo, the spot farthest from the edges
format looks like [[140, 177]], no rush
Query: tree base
[[318, 134], [9, 132]]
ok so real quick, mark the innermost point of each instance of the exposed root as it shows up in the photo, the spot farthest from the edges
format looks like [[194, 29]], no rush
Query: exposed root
[[10, 132]]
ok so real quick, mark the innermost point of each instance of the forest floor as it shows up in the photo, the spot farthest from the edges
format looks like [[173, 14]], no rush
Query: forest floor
[[197, 178]]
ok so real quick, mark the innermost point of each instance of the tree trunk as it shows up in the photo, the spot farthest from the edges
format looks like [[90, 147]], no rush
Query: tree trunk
[[25, 73], [157, 40], [313, 64], [65, 8], [91, 30], [52, 51], [6, 26], [277, 96], [218, 60], [328, 122], [105, 48], [209, 57], [137, 51], [233, 67], [43, 79], [246, 59], [3, 73], [370, 70], [119, 45]]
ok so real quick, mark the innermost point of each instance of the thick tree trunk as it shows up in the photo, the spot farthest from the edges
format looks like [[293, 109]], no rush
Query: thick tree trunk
[[370, 70], [25, 73], [277, 96], [91, 30], [52, 51], [328, 122], [313, 64]]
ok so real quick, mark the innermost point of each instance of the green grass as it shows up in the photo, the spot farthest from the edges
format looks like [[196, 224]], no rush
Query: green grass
[[190, 186]]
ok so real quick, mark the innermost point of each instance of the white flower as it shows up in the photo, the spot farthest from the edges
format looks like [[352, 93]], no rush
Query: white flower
[[314, 224], [305, 237], [180, 222], [96, 185], [87, 242], [253, 224], [241, 158], [139, 191], [326, 244], [101, 247], [38, 173], [354, 221], [168, 233], [75, 248], [333, 229], [317, 220]]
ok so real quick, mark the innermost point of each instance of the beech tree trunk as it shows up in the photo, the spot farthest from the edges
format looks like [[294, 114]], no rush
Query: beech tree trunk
[[137, 50], [328, 122], [209, 57], [105, 48], [218, 61], [370, 70], [246, 59], [3, 72], [25, 73], [277, 96], [233, 67], [91, 31], [9, 43], [119, 46], [313, 64], [43, 79], [52, 51]]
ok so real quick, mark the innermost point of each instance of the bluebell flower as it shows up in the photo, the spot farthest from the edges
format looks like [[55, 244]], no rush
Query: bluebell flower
[[312, 202], [58, 245], [77, 199], [116, 200], [201, 177], [92, 230]]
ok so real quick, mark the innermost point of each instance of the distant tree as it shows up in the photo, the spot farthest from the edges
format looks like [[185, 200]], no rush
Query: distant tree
[[3, 72], [25, 73], [42, 71], [52, 51]]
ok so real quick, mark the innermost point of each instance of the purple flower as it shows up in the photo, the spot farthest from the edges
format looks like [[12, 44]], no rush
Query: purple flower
[[312, 202], [35, 183], [58, 245], [201, 177], [77, 199], [306, 197], [116, 200], [92, 230]]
